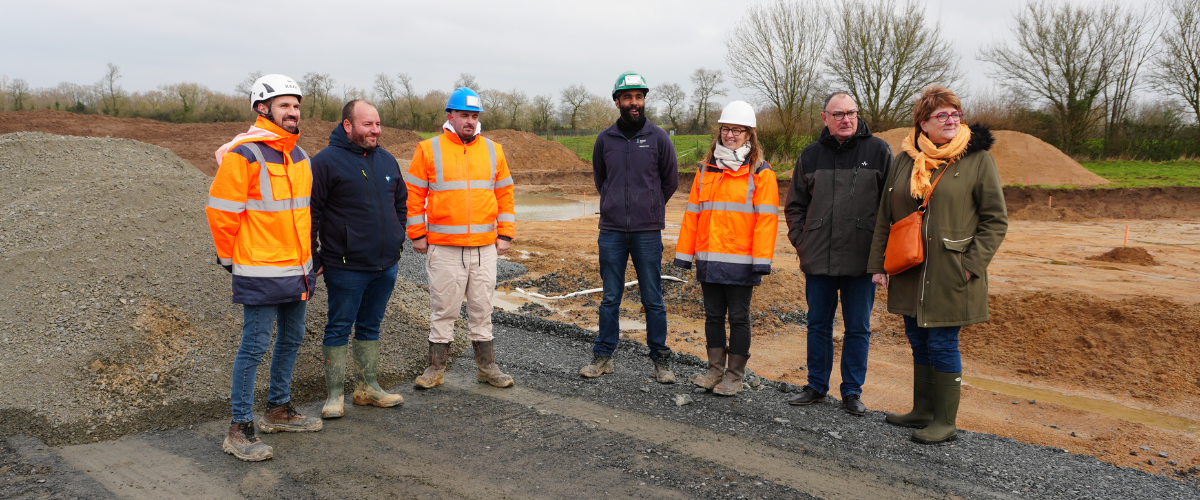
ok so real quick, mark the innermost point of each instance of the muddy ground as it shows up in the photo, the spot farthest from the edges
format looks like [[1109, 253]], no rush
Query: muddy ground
[[558, 436]]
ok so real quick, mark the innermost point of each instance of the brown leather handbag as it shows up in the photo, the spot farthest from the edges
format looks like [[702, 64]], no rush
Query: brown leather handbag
[[905, 246]]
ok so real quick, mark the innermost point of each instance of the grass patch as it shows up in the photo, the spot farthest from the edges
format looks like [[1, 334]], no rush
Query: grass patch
[[688, 148], [428, 135], [1134, 174]]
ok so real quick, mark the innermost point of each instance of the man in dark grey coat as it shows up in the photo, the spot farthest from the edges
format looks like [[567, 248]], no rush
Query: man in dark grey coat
[[830, 213]]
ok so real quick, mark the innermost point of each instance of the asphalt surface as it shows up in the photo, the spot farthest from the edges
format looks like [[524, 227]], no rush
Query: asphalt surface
[[556, 435]]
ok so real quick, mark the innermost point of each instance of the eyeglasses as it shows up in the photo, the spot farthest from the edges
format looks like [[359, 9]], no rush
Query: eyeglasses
[[734, 131], [943, 116], [839, 115]]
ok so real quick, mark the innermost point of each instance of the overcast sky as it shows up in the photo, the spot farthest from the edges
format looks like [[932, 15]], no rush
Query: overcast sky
[[539, 47]]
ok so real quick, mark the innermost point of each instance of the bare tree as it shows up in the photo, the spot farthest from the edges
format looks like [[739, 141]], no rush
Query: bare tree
[[19, 89], [1062, 54], [411, 99], [775, 51], [674, 97], [111, 93], [467, 80], [243, 88], [190, 96], [573, 98], [886, 51], [708, 85], [318, 90], [1134, 36], [389, 94], [1177, 66], [543, 112], [514, 103]]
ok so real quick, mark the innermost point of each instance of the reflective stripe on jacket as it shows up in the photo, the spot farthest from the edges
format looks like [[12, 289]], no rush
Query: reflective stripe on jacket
[[259, 218], [730, 225], [460, 194]]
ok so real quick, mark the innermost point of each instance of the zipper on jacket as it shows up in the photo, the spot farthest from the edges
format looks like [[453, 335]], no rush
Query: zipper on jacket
[[467, 163], [378, 206], [628, 171]]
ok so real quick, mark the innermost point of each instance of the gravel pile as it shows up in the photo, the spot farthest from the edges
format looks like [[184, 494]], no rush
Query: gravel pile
[[116, 316]]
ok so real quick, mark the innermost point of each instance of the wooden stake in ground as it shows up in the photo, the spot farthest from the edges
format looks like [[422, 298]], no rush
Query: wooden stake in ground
[[1126, 235], [1050, 201]]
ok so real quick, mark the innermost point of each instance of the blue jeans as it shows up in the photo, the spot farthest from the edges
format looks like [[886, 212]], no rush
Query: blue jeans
[[858, 297], [256, 337], [359, 299], [936, 347], [616, 249]]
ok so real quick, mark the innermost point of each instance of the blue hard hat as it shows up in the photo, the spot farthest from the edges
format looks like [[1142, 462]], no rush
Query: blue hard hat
[[465, 99]]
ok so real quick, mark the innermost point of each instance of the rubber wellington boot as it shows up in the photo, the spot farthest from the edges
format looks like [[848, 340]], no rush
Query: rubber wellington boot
[[335, 381], [485, 359], [716, 369], [731, 384], [922, 412], [948, 389], [366, 367], [436, 370]]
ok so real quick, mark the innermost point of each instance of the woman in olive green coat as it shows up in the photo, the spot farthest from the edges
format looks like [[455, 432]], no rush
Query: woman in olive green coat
[[963, 227]]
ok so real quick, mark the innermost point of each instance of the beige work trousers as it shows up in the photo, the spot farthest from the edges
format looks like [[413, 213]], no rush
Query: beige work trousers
[[452, 271]]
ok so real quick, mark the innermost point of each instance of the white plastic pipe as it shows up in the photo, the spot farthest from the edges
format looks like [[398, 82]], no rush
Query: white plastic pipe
[[585, 292]]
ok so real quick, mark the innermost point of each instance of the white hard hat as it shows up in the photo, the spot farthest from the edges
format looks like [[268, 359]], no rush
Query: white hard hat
[[269, 86], [739, 113]]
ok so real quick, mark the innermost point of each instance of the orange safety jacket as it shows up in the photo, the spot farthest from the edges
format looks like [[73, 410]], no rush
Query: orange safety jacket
[[730, 225], [460, 194], [258, 214]]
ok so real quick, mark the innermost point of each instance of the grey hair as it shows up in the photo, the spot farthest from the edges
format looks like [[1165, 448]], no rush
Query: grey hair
[[835, 94]]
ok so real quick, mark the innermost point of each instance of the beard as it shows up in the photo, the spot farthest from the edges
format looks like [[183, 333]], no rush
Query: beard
[[361, 140], [628, 116]]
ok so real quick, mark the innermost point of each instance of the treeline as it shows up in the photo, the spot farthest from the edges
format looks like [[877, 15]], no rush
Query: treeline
[[1070, 73]]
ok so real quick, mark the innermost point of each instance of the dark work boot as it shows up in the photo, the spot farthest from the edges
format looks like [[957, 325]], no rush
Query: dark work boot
[[922, 410], [947, 391], [807, 396], [485, 360], [599, 366], [242, 443], [716, 369], [285, 418], [662, 368]]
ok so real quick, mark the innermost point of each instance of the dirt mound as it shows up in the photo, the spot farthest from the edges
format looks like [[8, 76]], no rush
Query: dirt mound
[[1126, 255], [1142, 347], [116, 316], [1118, 203], [194, 142], [1022, 159], [1043, 212], [526, 151]]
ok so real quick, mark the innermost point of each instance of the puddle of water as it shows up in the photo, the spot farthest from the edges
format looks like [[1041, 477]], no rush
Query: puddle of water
[[550, 207], [1148, 417], [625, 324]]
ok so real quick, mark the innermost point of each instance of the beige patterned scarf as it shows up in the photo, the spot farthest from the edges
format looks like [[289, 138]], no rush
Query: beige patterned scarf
[[930, 157]]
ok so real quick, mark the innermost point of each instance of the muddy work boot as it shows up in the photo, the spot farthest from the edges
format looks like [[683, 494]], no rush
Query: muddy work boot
[[242, 443], [716, 369], [436, 370], [285, 418], [366, 387], [485, 359], [662, 368], [735, 370], [947, 390], [335, 381], [922, 411], [599, 366]]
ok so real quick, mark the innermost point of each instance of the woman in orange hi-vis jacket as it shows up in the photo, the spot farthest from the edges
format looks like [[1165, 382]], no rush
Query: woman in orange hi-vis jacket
[[729, 232]]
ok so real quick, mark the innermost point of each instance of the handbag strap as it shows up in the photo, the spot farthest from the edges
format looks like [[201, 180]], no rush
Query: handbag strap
[[933, 186]]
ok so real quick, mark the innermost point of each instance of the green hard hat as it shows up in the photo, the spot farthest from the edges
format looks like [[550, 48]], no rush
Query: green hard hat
[[629, 80]]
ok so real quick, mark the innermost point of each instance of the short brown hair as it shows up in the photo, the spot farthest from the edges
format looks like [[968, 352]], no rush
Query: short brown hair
[[348, 109], [932, 98]]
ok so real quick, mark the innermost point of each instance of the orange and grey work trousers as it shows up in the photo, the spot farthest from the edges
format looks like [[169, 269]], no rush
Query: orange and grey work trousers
[[454, 272]]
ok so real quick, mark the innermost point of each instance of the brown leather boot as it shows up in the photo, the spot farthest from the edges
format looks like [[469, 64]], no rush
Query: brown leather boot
[[285, 418], [599, 366], [485, 359], [662, 368], [731, 384], [242, 443], [436, 370], [716, 369]]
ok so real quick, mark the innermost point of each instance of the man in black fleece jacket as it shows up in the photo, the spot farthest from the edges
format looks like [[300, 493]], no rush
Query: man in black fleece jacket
[[359, 212]]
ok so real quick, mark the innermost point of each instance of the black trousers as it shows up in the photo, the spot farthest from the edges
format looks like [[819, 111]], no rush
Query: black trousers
[[732, 301]]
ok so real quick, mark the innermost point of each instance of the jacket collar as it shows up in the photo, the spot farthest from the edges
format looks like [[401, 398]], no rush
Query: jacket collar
[[452, 136], [713, 168], [829, 140], [284, 141], [981, 138]]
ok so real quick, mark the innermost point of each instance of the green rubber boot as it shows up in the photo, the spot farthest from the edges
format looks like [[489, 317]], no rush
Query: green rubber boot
[[366, 387], [335, 381], [923, 389], [948, 389]]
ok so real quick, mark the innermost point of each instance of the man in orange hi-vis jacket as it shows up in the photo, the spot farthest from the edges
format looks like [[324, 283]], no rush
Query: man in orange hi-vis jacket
[[461, 216], [258, 213]]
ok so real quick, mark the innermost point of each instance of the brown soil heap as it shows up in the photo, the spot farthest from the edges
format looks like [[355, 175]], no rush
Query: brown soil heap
[[1022, 159], [1127, 255], [526, 151], [194, 142]]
